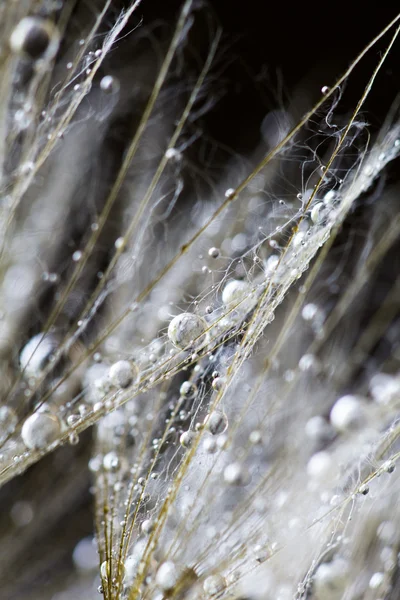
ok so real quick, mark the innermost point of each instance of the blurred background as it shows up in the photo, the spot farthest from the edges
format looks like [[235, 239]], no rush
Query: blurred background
[[272, 56]]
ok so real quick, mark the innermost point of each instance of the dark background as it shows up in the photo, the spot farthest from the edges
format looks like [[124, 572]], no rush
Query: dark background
[[286, 46]]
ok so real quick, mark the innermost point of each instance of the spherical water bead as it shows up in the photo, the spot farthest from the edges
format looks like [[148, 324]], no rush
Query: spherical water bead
[[331, 579], [217, 383], [222, 442], [275, 126], [111, 461], [167, 576], [109, 84], [39, 430], [22, 513], [133, 560], [8, 420], [271, 264], [347, 413], [185, 328], [318, 212], [234, 292], [388, 466], [261, 553], [214, 584], [298, 239], [308, 362], [236, 474], [216, 423], [318, 429], [77, 255], [105, 570], [186, 439], [188, 390], [255, 437], [387, 532], [34, 37], [147, 526], [214, 252], [384, 388], [96, 382], [173, 154], [309, 312], [36, 354], [363, 489], [210, 445], [376, 580], [73, 438], [122, 373], [229, 193], [84, 556], [320, 466]]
